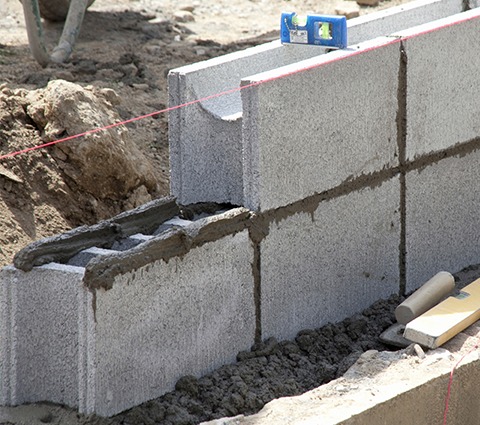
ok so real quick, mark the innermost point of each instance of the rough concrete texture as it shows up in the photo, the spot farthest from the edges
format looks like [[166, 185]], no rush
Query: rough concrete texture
[[442, 220], [443, 109], [43, 337], [205, 138], [176, 310], [329, 120], [321, 267], [145, 218], [174, 242], [375, 391], [186, 316]]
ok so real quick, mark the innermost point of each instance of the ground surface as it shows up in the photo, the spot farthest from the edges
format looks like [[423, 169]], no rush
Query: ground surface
[[118, 71]]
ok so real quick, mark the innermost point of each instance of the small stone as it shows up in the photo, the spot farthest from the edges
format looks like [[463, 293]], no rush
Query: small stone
[[183, 16], [419, 351], [111, 96], [349, 11], [140, 86], [368, 2], [160, 20], [189, 8]]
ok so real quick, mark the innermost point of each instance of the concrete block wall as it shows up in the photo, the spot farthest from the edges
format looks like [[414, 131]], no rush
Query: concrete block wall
[[205, 138], [442, 222], [186, 316], [442, 135], [322, 265], [442, 110], [125, 325], [347, 204]]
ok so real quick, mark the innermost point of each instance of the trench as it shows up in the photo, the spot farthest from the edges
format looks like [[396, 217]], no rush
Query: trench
[[272, 369]]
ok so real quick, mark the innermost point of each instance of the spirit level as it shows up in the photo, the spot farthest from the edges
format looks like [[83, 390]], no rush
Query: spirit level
[[319, 30]]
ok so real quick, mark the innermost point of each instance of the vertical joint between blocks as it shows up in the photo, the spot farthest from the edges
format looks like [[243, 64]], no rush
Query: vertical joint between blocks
[[401, 143]]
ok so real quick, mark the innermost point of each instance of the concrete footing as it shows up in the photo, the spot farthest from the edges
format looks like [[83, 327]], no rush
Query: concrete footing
[[388, 388]]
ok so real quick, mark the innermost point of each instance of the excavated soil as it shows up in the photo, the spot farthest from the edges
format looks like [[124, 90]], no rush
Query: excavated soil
[[117, 72]]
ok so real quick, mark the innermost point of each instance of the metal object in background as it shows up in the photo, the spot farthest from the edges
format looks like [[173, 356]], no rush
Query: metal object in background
[[72, 11]]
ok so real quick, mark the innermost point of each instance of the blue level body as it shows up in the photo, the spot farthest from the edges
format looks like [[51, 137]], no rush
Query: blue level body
[[319, 30]]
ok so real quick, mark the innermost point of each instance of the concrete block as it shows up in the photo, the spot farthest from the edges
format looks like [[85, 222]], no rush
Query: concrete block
[[442, 220], [188, 315], [43, 338], [400, 17], [442, 83], [319, 123], [205, 137], [131, 242], [325, 265]]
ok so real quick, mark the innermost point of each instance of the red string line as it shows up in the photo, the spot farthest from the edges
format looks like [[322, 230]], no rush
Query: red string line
[[350, 53], [117, 124], [447, 398]]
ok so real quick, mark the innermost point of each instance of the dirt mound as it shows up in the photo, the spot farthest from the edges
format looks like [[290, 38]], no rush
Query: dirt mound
[[51, 190], [106, 164]]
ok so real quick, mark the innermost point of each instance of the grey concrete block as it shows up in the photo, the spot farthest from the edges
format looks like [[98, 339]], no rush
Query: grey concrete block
[[442, 83], [324, 266], [400, 17], [443, 224], [44, 345], [205, 137], [168, 319], [318, 123], [131, 242]]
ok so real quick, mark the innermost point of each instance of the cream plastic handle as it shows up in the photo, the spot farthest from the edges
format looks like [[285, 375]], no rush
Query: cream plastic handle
[[427, 296]]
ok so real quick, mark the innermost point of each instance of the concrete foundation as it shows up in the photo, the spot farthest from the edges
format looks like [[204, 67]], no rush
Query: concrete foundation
[[349, 173]]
